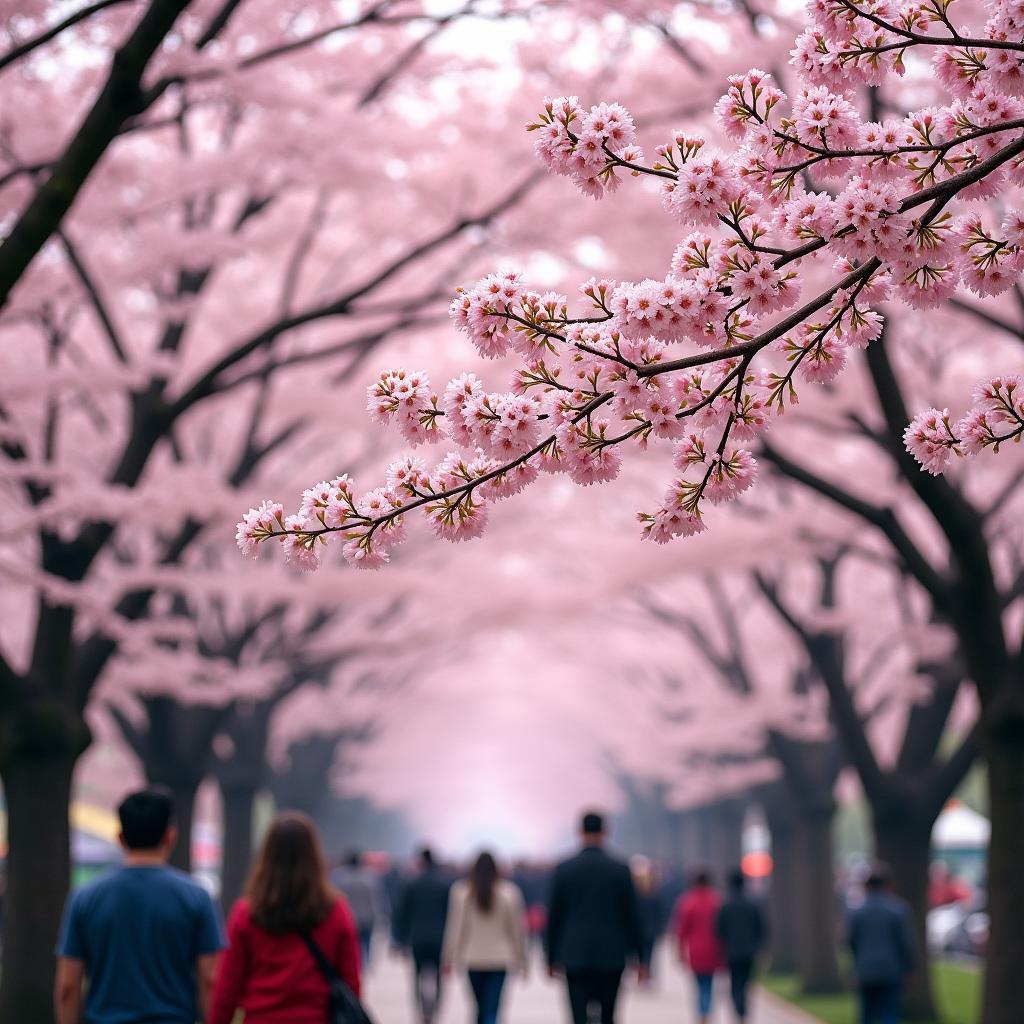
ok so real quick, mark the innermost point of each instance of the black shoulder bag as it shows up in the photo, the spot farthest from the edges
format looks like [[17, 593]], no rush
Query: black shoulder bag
[[343, 1007]]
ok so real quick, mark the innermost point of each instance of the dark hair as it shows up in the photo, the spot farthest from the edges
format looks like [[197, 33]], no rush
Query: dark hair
[[482, 881], [146, 815], [354, 859], [426, 856], [737, 880], [702, 876], [880, 878], [288, 889], [592, 824]]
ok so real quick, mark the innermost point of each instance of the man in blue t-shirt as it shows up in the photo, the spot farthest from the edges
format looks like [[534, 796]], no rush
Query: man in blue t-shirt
[[145, 936]]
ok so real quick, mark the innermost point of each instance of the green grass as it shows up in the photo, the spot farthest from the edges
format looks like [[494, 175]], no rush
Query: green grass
[[957, 991]]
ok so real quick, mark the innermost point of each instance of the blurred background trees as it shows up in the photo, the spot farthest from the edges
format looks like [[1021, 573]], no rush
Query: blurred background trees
[[218, 219]]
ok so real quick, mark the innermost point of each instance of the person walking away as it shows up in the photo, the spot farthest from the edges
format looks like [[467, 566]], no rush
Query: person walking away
[[881, 940], [145, 936], [699, 945], [485, 934], [418, 927], [593, 925], [652, 906], [741, 930], [270, 970], [363, 891]]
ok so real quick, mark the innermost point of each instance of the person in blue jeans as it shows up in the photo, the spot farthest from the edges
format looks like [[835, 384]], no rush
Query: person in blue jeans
[[145, 936], [881, 940], [485, 934], [705, 994], [487, 987]]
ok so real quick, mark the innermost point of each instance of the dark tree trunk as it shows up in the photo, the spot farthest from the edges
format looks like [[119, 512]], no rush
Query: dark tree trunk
[[817, 931], [1004, 975], [903, 842], [301, 787], [786, 897], [677, 826], [37, 790], [704, 827], [803, 805], [238, 842], [691, 829], [726, 837], [184, 792]]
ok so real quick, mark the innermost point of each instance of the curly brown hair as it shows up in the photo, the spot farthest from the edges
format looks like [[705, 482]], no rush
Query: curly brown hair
[[288, 890]]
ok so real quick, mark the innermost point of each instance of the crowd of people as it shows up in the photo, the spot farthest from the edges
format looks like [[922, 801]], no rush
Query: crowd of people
[[146, 943]]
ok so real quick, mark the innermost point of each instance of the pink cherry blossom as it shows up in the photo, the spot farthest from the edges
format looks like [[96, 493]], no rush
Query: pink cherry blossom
[[930, 439], [709, 351]]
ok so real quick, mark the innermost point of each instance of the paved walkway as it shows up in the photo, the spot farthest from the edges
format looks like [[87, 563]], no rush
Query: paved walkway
[[541, 1001]]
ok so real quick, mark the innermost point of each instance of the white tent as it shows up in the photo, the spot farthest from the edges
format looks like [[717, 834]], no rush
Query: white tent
[[960, 828]]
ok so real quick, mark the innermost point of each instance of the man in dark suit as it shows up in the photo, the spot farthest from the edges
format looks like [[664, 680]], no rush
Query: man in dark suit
[[418, 926], [594, 925]]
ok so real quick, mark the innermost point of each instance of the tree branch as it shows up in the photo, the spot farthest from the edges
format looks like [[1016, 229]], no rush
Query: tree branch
[[404, 60], [131, 733], [827, 659], [372, 14], [686, 626], [208, 383], [976, 610], [986, 317], [882, 518], [302, 247], [692, 62], [947, 778], [91, 289], [217, 23], [927, 721], [120, 98], [53, 31]]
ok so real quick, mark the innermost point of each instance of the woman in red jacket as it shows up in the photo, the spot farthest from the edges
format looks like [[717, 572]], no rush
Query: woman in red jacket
[[268, 970], [699, 946]]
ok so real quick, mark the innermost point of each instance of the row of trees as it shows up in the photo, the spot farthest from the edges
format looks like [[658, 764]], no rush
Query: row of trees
[[218, 211], [947, 547], [225, 210], [839, 632]]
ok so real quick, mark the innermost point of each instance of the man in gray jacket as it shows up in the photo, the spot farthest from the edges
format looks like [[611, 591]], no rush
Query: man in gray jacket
[[881, 940]]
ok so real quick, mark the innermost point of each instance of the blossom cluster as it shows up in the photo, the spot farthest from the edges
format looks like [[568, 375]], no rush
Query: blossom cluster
[[996, 418], [705, 356]]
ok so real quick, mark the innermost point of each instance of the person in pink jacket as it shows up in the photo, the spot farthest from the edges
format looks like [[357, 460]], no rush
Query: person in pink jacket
[[699, 947]]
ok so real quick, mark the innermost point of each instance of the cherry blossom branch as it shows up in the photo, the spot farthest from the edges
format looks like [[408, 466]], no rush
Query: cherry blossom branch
[[120, 98], [42, 38], [821, 154], [925, 40], [409, 55], [209, 380], [721, 294], [375, 15], [217, 23], [372, 524]]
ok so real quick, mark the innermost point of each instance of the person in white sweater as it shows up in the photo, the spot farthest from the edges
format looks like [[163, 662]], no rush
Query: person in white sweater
[[485, 934]]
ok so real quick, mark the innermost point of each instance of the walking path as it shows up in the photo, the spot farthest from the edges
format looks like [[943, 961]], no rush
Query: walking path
[[542, 1001]]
